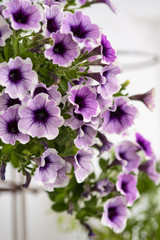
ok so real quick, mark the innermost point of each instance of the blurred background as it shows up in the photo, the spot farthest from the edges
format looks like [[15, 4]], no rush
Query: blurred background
[[135, 28]]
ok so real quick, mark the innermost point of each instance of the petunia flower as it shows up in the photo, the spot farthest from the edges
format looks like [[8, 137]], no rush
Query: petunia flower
[[64, 49], [10, 131], [111, 85], [83, 98], [18, 77], [52, 92], [127, 154], [50, 164], [6, 101], [5, 31], [82, 165], [147, 98], [23, 15], [53, 17], [80, 26], [144, 144], [115, 214], [120, 117], [40, 118], [126, 185], [104, 187], [149, 167], [86, 136]]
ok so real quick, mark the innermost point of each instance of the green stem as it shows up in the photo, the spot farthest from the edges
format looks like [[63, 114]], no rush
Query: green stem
[[15, 45], [31, 35]]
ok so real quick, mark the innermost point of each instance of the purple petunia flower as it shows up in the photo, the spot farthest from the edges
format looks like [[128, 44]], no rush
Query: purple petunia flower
[[127, 153], [150, 169], [23, 15], [144, 144], [9, 127], [75, 121], [62, 179], [111, 85], [81, 27], [64, 49], [82, 165], [108, 53], [51, 92], [115, 214], [6, 101], [103, 103], [85, 137], [53, 2], [49, 166], [40, 118], [106, 144], [104, 187], [83, 97], [5, 31], [108, 2], [126, 184], [120, 117], [18, 77], [147, 98], [53, 18]]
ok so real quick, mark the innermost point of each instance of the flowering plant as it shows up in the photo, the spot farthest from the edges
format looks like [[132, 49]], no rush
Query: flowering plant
[[60, 102]]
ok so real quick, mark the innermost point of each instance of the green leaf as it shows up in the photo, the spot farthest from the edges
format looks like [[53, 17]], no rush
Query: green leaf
[[7, 148], [59, 207], [103, 164], [8, 51], [14, 160]]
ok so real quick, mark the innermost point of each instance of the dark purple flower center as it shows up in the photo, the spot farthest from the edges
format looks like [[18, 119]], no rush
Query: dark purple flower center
[[52, 25], [122, 155], [78, 116], [80, 102], [112, 213], [59, 48], [46, 165], [41, 115], [39, 90], [21, 16], [15, 76], [124, 186], [12, 102], [118, 114], [12, 126], [79, 30]]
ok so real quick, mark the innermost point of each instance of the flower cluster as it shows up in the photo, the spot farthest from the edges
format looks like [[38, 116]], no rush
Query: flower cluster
[[56, 109]]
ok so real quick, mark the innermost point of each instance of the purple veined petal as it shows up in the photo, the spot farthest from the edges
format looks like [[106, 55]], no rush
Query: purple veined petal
[[52, 92], [23, 15], [144, 144], [82, 165], [149, 168], [104, 187], [10, 132], [104, 103], [53, 18], [126, 185], [64, 49], [147, 98], [6, 101], [127, 153], [5, 31], [54, 2], [115, 214], [41, 117], [108, 53], [80, 26], [111, 85], [18, 77], [75, 121], [86, 137], [120, 117], [84, 99], [50, 164]]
